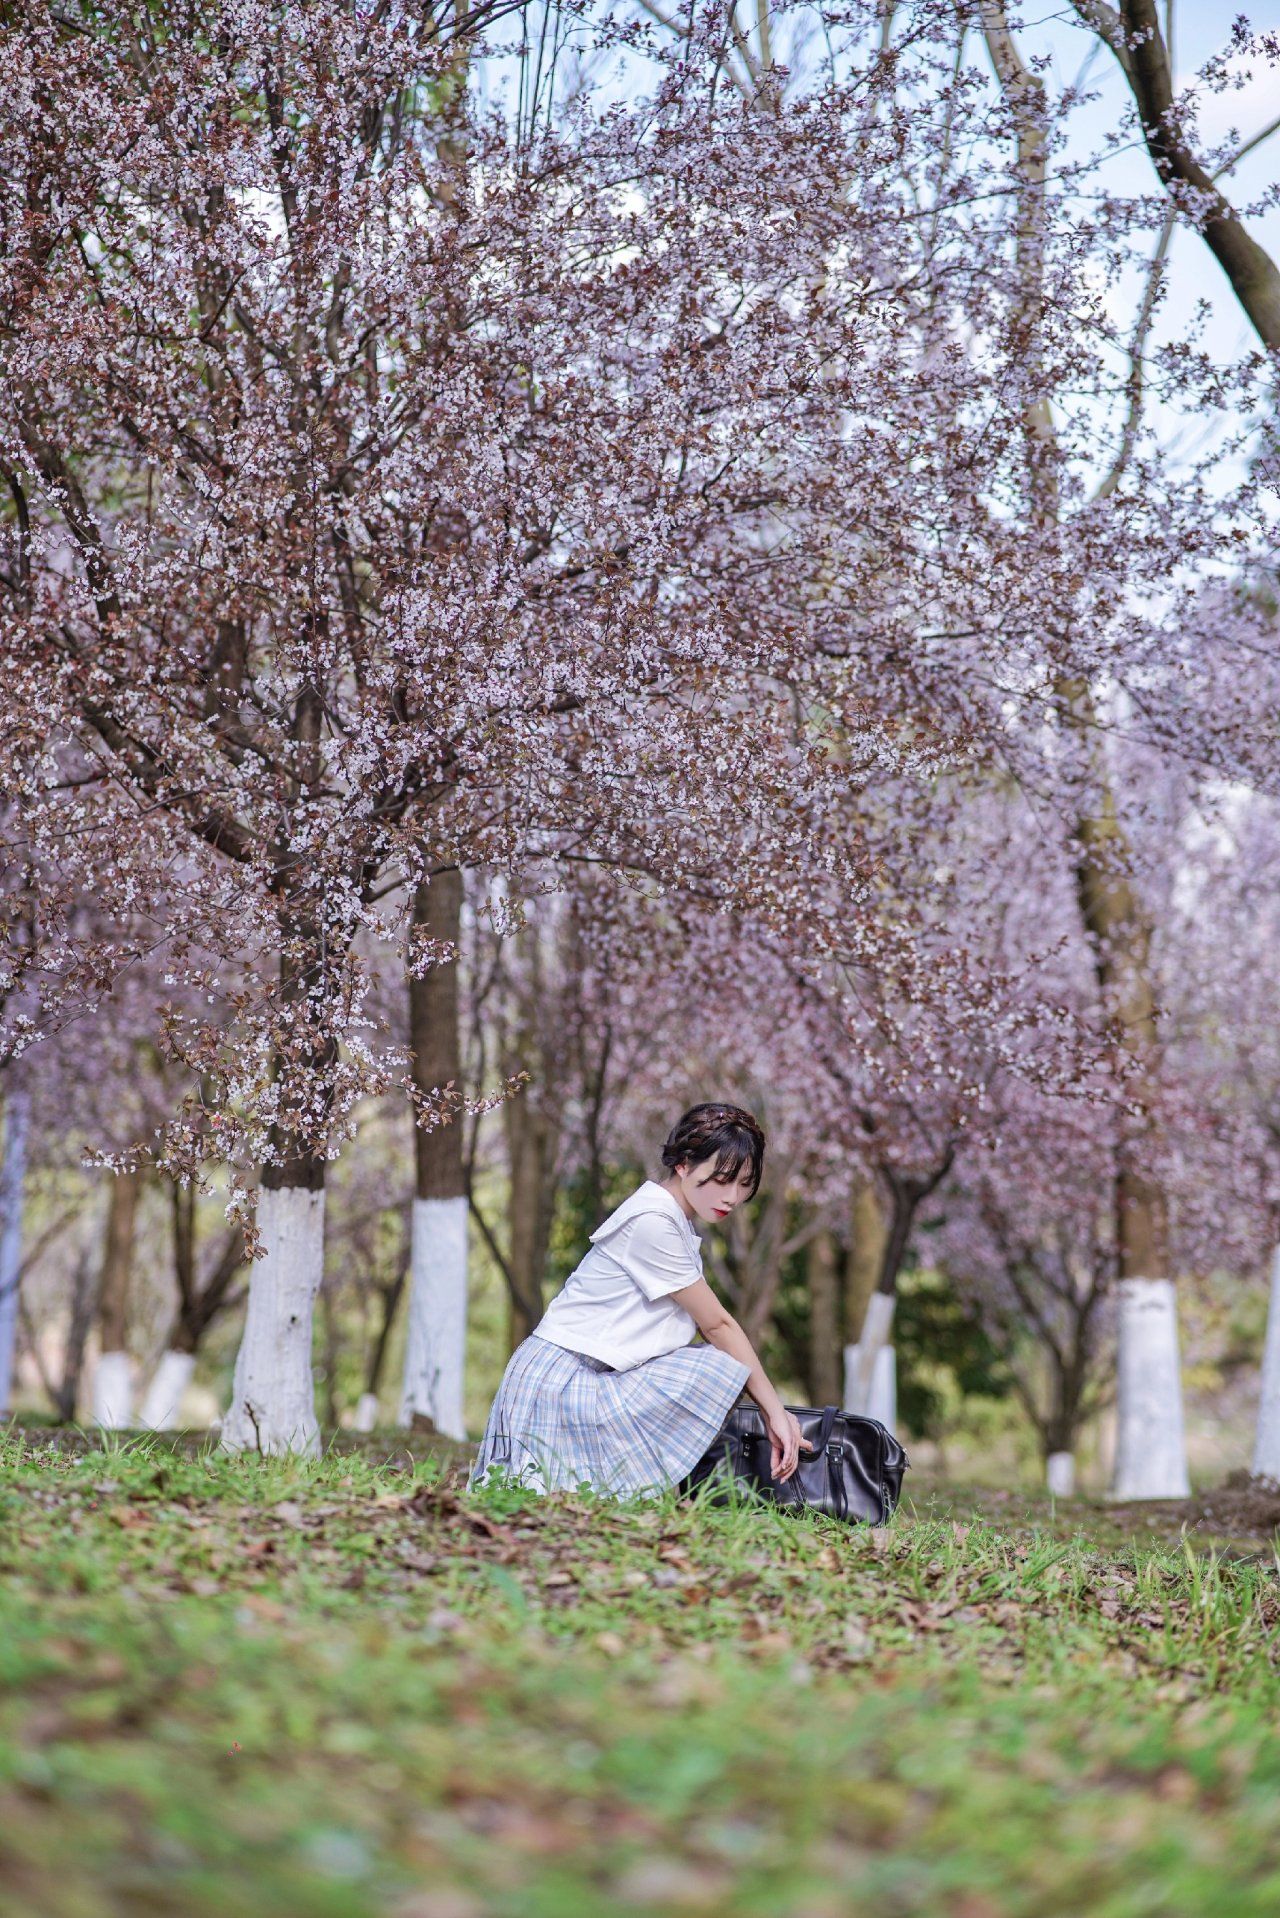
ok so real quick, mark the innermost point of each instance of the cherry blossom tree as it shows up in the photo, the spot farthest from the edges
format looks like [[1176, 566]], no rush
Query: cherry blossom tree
[[297, 511], [61, 949], [1111, 861], [1025, 1234]]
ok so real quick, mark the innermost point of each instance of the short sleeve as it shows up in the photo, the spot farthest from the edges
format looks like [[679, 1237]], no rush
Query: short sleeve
[[655, 1253]]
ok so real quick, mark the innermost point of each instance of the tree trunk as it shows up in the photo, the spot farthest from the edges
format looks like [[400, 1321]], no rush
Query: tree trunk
[[870, 1372], [868, 1234], [367, 1409], [163, 1398], [532, 1147], [113, 1384], [329, 1322], [599, 1080], [368, 1406], [184, 1248], [1059, 1442], [273, 1392], [1266, 1449], [1070, 1375], [13, 1173], [272, 1395], [824, 1321], [1060, 1473], [436, 1347], [870, 1367], [83, 1299], [198, 1307], [1151, 1456], [761, 1254]]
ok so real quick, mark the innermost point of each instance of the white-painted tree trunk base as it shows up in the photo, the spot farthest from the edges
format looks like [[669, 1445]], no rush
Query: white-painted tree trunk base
[[436, 1347], [1266, 1445], [1151, 1453], [113, 1391], [163, 1399], [871, 1380], [366, 1417], [1060, 1474], [272, 1398], [883, 1402], [13, 1172]]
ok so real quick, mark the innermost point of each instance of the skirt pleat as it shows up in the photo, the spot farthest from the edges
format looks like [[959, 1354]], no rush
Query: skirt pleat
[[562, 1420]]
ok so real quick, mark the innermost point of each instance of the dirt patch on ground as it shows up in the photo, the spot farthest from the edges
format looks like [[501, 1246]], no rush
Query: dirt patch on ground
[[1233, 1515], [1241, 1516], [1241, 1505]]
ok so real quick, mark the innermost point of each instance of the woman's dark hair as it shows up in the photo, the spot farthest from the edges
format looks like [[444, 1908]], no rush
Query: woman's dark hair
[[727, 1132]]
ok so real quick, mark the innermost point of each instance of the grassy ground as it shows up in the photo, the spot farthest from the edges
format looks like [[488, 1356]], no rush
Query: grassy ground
[[338, 1689]]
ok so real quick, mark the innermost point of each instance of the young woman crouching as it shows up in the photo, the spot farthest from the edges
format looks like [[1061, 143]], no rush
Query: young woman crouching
[[611, 1391]]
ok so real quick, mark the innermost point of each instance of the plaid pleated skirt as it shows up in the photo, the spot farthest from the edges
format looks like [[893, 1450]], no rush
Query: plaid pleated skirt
[[562, 1420]]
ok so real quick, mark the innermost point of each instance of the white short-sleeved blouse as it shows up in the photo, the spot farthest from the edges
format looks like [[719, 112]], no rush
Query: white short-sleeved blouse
[[616, 1303]]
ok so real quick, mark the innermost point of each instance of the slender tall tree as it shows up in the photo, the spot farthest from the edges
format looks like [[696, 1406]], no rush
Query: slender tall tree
[[435, 1356], [113, 1376], [13, 1169]]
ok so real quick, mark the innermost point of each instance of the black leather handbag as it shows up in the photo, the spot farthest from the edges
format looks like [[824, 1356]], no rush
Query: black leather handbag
[[854, 1471]]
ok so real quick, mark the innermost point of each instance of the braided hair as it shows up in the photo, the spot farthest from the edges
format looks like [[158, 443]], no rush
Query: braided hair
[[729, 1133]]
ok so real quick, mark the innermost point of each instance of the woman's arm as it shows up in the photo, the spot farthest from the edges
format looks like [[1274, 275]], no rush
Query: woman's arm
[[721, 1329]]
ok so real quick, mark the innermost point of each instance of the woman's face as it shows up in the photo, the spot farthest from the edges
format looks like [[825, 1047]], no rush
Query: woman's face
[[707, 1196]]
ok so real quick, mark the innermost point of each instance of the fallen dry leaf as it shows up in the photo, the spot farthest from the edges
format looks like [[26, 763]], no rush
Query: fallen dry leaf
[[768, 1644], [431, 1502], [128, 1517]]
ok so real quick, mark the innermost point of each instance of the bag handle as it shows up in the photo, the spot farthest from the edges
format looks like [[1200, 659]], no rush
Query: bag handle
[[788, 1491], [821, 1439]]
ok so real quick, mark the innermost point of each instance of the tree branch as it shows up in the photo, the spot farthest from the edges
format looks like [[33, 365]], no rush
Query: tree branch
[[1135, 38]]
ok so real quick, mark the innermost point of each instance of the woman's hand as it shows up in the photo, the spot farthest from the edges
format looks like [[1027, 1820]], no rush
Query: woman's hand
[[785, 1443], [720, 1329]]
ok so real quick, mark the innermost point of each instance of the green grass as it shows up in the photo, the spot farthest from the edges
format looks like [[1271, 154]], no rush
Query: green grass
[[334, 1689]]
